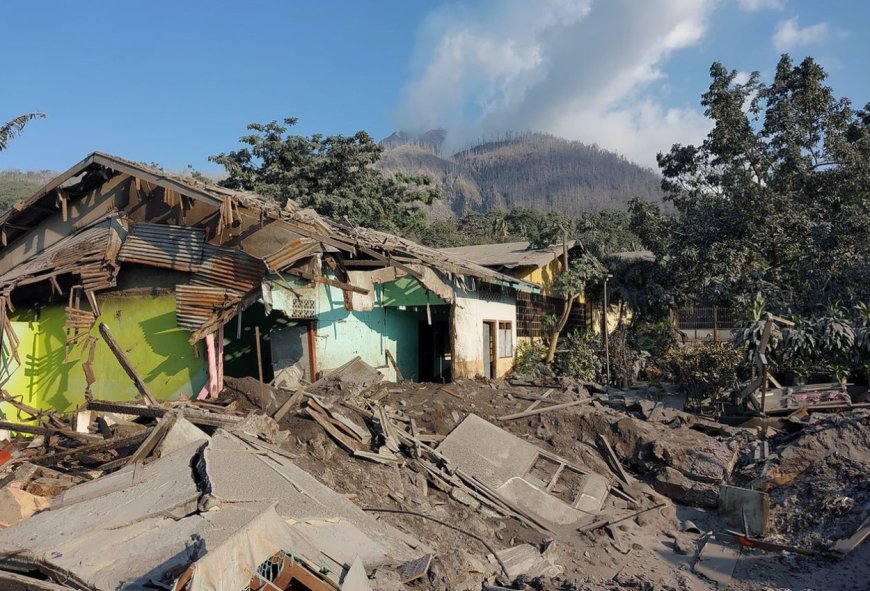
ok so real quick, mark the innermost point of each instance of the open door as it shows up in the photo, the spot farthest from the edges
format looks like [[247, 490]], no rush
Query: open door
[[489, 355]]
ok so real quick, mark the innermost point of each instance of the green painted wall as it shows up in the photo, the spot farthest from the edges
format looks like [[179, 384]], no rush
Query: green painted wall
[[407, 291], [144, 326]]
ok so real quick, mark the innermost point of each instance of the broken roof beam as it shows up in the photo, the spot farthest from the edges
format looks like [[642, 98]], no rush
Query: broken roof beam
[[195, 416], [327, 281], [126, 365], [392, 262]]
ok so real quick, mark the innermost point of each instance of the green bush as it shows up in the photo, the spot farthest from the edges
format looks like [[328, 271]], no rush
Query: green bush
[[655, 337], [528, 359], [580, 357], [701, 371]]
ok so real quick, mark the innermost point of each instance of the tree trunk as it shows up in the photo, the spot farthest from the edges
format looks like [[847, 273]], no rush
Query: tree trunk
[[557, 329]]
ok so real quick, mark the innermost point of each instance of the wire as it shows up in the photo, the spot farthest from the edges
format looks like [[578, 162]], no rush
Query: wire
[[486, 545]]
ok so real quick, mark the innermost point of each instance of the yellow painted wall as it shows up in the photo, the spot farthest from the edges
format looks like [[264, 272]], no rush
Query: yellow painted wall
[[144, 327], [544, 276]]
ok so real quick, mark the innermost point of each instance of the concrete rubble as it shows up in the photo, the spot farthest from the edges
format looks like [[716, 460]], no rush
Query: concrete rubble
[[369, 484]]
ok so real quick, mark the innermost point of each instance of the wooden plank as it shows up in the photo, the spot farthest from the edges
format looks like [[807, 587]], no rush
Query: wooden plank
[[327, 281], [614, 459], [538, 411], [292, 402], [843, 547], [10, 581], [125, 364], [392, 262], [537, 402], [117, 442], [392, 360], [154, 439], [347, 443], [195, 416]]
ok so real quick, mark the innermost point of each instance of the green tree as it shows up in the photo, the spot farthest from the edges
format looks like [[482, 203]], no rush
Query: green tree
[[14, 127], [775, 200], [333, 175]]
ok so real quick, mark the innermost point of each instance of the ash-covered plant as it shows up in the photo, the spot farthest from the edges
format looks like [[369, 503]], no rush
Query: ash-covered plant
[[836, 336], [625, 363], [580, 357], [529, 360], [800, 347], [748, 335], [702, 371]]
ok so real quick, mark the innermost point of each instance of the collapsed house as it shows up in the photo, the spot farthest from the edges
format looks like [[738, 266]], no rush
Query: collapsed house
[[118, 280]]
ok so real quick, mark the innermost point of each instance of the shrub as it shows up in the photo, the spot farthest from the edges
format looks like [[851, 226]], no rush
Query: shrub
[[529, 358], [654, 337], [701, 371], [625, 362], [580, 357]]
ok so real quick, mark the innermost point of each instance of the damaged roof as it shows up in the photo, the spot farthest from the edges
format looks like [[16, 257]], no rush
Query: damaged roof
[[277, 237], [509, 255]]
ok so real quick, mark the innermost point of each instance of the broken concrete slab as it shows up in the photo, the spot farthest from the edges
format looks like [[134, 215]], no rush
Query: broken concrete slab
[[182, 433], [356, 578], [523, 474], [318, 511], [525, 559]]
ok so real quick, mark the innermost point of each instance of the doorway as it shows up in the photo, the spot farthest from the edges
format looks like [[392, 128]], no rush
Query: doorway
[[489, 351]]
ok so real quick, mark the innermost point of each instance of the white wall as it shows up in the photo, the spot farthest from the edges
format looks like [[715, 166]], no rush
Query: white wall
[[469, 313]]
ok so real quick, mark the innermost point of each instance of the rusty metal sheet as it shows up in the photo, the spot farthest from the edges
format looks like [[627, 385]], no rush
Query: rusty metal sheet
[[196, 305], [292, 252], [164, 246], [229, 268], [75, 254]]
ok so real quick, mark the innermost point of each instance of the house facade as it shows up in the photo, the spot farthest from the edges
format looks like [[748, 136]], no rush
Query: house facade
[[118, 280], [536, 266]]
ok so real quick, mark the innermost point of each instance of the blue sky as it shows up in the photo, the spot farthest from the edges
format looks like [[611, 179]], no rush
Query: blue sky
[[173, 82]]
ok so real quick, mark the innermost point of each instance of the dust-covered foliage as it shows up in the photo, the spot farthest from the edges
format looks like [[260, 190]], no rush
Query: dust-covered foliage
[[580, 357], [701, 371], [334, 175]]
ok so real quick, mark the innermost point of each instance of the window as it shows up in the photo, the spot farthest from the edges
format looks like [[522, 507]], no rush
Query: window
[[505, 339]]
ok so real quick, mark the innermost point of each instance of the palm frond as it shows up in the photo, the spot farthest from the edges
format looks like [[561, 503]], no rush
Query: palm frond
[[13, 128]]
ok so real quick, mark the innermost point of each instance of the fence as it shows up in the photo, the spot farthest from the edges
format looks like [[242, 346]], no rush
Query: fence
[[701, 322]]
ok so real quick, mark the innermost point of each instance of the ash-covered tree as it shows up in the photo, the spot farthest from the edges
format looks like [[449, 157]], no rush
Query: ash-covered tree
[[332, 174], [776, 199]]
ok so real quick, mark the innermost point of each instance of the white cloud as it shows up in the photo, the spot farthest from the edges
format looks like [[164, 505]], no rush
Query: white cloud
[[581, 70], [756, 5], [790, 35]]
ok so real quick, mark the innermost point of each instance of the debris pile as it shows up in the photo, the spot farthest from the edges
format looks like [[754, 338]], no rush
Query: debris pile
[[356, 483]]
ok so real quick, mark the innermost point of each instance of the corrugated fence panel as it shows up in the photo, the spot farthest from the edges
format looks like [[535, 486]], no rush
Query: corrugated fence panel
[[167, 247]]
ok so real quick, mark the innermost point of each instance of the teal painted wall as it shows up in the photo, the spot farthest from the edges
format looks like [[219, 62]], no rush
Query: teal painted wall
[[342, 335], [144, 327]]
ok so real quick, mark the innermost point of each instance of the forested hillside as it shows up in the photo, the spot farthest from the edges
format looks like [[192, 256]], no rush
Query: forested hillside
[[17, 184], [530, 170]]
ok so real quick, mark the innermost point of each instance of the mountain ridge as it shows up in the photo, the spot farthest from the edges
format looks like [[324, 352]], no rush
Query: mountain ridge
[[533, 170]]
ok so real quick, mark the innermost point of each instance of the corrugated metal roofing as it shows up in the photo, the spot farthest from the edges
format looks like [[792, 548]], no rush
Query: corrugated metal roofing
[[83, 253], [229, 268], [509, 255], [160, 245], [197, 304]]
